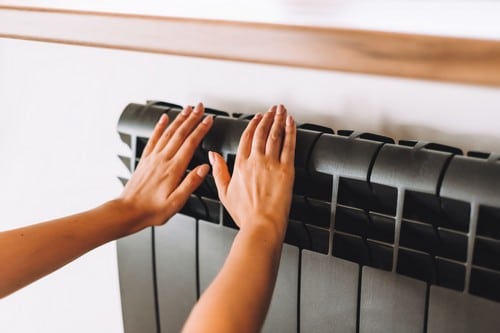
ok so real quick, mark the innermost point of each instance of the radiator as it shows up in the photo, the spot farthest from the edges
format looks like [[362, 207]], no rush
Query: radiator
[[382, 236]]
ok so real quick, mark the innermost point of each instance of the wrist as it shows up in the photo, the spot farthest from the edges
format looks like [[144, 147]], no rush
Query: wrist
[[264, 227], [129, 218]]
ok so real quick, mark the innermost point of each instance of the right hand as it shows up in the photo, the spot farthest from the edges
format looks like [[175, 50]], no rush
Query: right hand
[[260, 188]]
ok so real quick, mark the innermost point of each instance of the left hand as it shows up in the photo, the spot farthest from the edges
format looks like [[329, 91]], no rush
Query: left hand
[[157, 190]]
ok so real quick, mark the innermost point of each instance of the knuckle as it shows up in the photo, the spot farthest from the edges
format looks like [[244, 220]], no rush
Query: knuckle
[[217, 173], [181, 117], [245, 135], [182, 132], [189, 181], [167, 135], [276, 134], [191, 143], [260, 130], [176, 203]]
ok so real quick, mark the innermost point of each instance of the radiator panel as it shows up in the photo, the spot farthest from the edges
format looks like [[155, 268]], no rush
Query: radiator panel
[[452, 311], [391, 302], [176, 271], [382, 236], [136, 273], [325, 279], [283, 308]]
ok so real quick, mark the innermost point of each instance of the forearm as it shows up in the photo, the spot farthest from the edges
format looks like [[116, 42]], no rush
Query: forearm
[[29, 253], [239, 297], [156, 191]]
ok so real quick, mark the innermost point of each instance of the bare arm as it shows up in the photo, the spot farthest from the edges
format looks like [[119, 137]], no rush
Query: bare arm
[[155, 192], [258, 197]]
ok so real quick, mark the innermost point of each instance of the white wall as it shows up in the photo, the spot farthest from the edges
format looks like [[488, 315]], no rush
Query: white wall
[[59, 106], [459, 18]]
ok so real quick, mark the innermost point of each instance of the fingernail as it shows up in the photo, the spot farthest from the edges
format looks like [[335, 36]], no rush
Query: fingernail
[[187, 110], [272, 109], [163, 118], [289, 120], [257, 116], [281, 109], [207, 120], [198, 108], [211, 157], [203, 170]]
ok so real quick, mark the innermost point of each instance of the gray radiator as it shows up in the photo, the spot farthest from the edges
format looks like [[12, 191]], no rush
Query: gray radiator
[[382, 237]]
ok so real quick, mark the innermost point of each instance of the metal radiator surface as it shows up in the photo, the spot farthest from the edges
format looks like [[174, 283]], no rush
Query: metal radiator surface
[[382, 236]]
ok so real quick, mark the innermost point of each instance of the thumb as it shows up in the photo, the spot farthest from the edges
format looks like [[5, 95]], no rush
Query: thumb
[[188, 185], [220, 173]]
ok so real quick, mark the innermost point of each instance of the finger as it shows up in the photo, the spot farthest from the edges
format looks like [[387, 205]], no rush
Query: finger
[[190, 183], [165, 138], [192, 142], [157, 132], [245, 145], [220, 172], [288, 151], [184, 130], [262, 131], [275, 139]]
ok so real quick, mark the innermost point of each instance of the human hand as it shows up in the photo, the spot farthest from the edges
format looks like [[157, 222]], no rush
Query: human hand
[[260, 188], [157, 190]]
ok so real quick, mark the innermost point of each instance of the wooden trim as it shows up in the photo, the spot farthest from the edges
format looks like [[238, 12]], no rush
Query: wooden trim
[[405, 55]]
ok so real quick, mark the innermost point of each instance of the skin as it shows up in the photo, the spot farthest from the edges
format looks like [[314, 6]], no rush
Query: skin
[[258, 197], [154, 193]]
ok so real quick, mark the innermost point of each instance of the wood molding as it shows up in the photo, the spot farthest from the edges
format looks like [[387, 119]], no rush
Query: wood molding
[[460, 60]]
